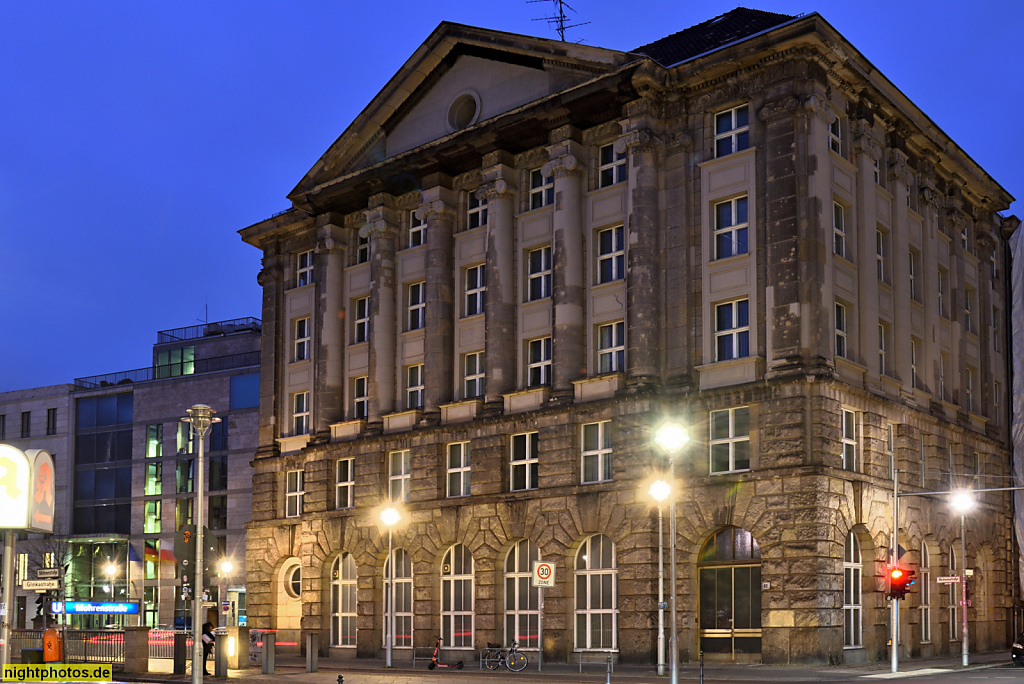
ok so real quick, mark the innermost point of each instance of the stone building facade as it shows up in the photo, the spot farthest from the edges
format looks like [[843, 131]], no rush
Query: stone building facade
[[524, 256]]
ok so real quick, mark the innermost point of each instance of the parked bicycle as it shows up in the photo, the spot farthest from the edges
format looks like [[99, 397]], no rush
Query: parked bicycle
[[494, 657]]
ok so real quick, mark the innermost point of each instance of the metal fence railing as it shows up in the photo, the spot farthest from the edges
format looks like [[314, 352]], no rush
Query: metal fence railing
[[161, 642], [24, 638], [94, 646]]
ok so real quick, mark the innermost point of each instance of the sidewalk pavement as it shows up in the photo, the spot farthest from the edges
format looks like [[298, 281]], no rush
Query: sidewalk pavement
[[291, 669]]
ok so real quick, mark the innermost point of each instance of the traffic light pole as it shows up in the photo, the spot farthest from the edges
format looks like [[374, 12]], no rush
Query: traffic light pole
[[895, 629]]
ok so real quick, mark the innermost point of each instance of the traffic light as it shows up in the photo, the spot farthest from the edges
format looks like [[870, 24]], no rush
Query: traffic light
[[900, 581]]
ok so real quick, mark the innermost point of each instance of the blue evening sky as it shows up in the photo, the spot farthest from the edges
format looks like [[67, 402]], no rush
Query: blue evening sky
[[137, 137]]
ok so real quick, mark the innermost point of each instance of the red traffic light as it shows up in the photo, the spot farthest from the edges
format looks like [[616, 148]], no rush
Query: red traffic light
[[895, 573]]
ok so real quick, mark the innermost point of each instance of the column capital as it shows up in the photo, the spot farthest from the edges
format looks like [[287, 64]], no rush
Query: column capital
[[866, 145], [930, 196], [382, 219], [435, 209], [269, 274], [494, 190], [898, 169], [561, 167], [642, 140]]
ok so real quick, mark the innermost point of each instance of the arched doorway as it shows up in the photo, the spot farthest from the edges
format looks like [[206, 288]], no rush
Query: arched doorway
[[730, 596]]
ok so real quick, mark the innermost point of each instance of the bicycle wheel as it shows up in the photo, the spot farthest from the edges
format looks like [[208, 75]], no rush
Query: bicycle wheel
[[491, 659], [516, 662]]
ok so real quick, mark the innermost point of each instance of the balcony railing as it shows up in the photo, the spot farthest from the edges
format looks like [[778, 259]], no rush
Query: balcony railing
[[213, 364], [193, 332]]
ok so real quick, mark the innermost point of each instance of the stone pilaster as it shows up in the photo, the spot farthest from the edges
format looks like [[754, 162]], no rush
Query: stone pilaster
[[382, 221], [329, 383], [438, 210], [927, 283], [500, 304], [568, 339], [271, 279], [863, 233]]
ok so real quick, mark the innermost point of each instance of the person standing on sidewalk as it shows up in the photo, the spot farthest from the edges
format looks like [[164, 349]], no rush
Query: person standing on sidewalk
[[208, 639]]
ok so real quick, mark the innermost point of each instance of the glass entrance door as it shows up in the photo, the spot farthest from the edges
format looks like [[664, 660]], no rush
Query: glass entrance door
[[730, 610]]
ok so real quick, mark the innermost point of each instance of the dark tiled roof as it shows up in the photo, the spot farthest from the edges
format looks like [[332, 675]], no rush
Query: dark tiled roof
[[714, 33]]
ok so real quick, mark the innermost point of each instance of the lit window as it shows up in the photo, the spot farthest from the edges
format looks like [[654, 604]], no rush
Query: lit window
[[539, 362], [542, 189], [304, 269], [417, 230], [539, 276], [523, 461], [731, 228], [476, 289], [302, 339], [473, 368], [343, 601], [300, 413], [840, 330], [611, 255], [344, 483], [414, 387], [399, 476], [596, 452], [457, 598], [596, 594], [852, 608], [611, 347], [154, 440], [458, 469], [151, 522], [295, 492], [849, 440], [732, 331], [835, 141], [154, 479], [732, 132], [838, 229], [417, 305], [476, 214], [172, 363], [359, 397], [612, 167], [730, 440], [363, 249], [361, 320]]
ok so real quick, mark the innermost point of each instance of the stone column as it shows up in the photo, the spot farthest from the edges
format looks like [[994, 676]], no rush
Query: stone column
[[642, 273], [928, 285], [270, 279], [439, 348], [500, 303], [329, 382], [568, 338], [382, 221], [899, 247], [863, 233], [988, 364]]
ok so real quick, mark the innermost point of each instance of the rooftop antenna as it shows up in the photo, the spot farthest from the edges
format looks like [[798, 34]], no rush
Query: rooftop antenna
[[559, 18]]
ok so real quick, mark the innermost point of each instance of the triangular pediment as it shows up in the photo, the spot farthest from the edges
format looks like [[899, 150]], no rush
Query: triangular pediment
[[459, 77]]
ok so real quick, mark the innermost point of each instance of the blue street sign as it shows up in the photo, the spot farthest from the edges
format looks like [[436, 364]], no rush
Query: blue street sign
[[95, 608]]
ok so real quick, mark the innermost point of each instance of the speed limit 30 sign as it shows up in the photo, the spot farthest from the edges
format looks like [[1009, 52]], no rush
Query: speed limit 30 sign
[[543, 574]]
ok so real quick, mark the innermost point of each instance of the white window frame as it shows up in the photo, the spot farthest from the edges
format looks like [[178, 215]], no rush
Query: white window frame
[[417, 300], [925, 596], [841, 323], [968, 317], [913, 274], [523, 618], [542, 189], [344, 606], [611, 347], [942, 376], [476, 290], [969, 389], [915, 382], [404, 624], [417, 230], [881, 348], [611, 257], [344, 483], [474, 375], [399, 475], [880, 238], [300, 413], [302, 339], [838, 229], [295, 493], [361, 320], [456, 616], [849, 431], [942, 292], [304, 268], [596, 448], [729, 441], [853, 609], [527, 463], [590, 568], [363, 249], [360, 397], [732, 126], [459, 470], [538, 362], [611, 166], [890, 448], [414, 387], [737, 333], [732, 228], [835, 136], [476, 211], [538, 280]]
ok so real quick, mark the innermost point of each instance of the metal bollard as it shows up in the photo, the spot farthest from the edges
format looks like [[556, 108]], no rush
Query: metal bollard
[[220, 656], [269, 641], [312, 651], [180, 652], [702, 667], [341, 679], [608, 670]]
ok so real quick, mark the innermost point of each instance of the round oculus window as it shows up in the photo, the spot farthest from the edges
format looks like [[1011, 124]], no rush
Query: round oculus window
[[293, 582], [464, 111]]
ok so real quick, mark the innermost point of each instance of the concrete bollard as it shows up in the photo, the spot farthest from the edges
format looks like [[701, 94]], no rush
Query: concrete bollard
[[180, 652], [312, 651], [238, 647], [269, 643], [220, 656]]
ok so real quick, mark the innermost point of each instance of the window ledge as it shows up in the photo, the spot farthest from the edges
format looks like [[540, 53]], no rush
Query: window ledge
[[347, 430], [461, 411], [599, 387], [731, 372], [404, 420], [527, 399], [290, 445]]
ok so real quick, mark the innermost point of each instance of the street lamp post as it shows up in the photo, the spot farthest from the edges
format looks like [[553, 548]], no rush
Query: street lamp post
[[963, 501], [390, 517], [672, 438], [659, 491]]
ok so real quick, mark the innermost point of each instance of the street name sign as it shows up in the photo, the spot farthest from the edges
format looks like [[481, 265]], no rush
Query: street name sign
[[952, 579], [43, 584], [49, 573]]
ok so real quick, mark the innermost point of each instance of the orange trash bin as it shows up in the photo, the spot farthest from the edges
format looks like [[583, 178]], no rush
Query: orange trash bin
[[52, 646]]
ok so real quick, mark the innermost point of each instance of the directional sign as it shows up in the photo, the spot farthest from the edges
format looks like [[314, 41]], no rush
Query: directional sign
[[44, 584], [952, 579], [543, 574], [49, 573]]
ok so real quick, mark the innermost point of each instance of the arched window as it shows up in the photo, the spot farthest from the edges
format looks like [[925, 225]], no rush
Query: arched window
[[730, 544], [522, 599], [852, 571], [457, 598], [926, 593], [343, 601], [596, 598], [403, 598], [954, 614]]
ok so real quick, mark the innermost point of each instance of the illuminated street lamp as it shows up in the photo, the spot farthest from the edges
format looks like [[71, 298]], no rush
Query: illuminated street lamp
[[962, 502], [672, 438], [390, 517], [659, 491]]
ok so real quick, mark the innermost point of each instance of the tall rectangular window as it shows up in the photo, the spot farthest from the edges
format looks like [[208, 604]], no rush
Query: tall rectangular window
[[542, 189], [943, 284], [969, 390], [849, 440], [417, 297], [363, 249], [731, 228], [913, 266], [732, 131], [835, 139], [295, 493], [611, 167], [476, 289], [968, 308], [995, 329], [361, 320], [300, 413], [3, 426], [458, 469], [218, 472], [997, 393], [26, 424], [943, 362], [880, 250], [414, 387], [915, 350], [611, 255], [925, 598], [539, 362], [151, 556], [838, 229], [596, 452], [151, 517], [417, 230], [344, 483], [732, 330], [184, 441], [476, 213], [301, 350], [523, 461], [217, 518], [399, 476], [154, 479], [881, 349], [473, 375], [890, 448], [359, 398], [219, 435], [304, 269], [539, 273], [182, 512], [841, 330], [51, 421], [611, 347], [730, 440], [183, 473]]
